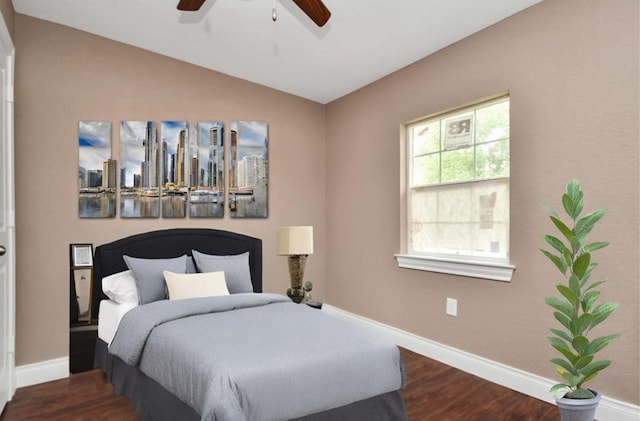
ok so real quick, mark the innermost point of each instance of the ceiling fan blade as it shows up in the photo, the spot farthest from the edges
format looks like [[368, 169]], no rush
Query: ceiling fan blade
[[315, 9], [190, 5]]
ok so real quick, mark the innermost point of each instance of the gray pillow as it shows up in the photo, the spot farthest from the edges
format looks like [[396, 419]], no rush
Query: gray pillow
[[191, 266], [235, 268], [149, 277]]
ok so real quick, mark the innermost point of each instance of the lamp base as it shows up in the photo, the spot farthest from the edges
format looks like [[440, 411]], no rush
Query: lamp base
[[297, 262], [297, 295]]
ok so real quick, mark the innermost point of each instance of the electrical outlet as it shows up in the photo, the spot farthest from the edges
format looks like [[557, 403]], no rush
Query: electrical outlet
[[452, 307]]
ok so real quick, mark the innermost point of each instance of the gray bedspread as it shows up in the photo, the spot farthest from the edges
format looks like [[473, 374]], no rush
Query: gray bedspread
[[256, 356]]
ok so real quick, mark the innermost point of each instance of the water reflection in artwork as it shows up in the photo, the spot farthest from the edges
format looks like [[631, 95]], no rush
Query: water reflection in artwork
[[96, 171], [206, 192], [249, 169], [174, 168], [139, 187]]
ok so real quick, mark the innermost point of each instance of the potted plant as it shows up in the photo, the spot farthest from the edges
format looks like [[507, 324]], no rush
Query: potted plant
[[576, 308]]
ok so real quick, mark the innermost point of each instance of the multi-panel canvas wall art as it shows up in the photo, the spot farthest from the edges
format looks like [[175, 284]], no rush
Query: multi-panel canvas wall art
[[139, 187], [174, 168], [206, 193], [248, 169], [96, 171], [174, 171]]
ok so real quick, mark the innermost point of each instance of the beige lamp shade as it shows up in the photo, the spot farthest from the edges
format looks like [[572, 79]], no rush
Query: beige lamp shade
[[295, 240]]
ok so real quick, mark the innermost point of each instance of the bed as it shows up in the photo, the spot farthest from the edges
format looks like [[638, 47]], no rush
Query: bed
[[246, 355]]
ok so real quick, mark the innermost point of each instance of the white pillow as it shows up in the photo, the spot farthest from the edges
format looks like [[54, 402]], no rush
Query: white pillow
[[192, 285], [121, 287]]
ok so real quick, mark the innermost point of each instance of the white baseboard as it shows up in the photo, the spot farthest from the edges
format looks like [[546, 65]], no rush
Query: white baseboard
[[45, 371], [512, 378]]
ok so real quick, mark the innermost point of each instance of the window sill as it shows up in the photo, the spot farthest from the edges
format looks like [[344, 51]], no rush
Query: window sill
[[495, 271]]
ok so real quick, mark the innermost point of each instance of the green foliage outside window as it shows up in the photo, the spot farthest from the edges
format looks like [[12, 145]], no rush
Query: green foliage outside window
[[486, 157]]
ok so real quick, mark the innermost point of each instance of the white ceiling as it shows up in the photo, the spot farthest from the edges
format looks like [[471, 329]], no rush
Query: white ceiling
[[363, 41]]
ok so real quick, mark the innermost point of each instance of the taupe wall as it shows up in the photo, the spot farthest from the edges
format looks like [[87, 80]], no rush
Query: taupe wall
[[571, 67], [6, 8], [572, 70], [63, 76]]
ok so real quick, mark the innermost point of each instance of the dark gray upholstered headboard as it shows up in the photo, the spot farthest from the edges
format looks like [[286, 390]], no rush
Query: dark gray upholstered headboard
[[173, 243]]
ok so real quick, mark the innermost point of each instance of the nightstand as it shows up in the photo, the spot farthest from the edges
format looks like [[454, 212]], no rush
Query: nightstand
[[82, 345]]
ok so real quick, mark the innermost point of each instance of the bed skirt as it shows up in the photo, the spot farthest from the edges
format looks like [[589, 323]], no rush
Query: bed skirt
[[155, 403]]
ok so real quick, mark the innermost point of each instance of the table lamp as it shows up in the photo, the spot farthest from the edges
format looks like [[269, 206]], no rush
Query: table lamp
[[297, 243]]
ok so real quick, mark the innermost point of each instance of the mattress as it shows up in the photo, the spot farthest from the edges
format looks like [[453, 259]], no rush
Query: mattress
[[109, 316]]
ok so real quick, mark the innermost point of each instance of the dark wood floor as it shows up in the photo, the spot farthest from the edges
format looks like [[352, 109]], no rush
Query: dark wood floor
[[438, 392], [434, 392]]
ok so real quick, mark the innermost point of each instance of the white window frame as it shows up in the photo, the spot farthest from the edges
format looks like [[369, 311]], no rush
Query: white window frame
[[492, 268]]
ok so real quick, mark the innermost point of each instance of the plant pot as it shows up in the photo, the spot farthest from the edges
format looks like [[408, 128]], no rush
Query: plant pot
[[578, 409]]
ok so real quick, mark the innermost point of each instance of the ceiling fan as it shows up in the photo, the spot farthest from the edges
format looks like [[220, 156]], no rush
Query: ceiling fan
[[315, 9]]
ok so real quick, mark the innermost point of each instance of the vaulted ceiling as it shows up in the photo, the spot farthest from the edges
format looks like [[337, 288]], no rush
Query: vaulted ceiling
[[363, 41]]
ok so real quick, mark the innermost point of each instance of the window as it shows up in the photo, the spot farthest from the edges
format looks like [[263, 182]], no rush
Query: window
[[457, 191]]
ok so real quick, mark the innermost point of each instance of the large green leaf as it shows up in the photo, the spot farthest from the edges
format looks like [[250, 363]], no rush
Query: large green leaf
[[567, 204], [568, 294], [587, 274], [561, 305], [571, 379], [581, 265], [595, 367], [579, 343], [600, 343], [576, 200], [578, 204], [595, 246], [587, 222], [602, 312], [564, 321], [556, 243], [558, 342], [560, 264], [584, 324], [562, 348], [589, 299], [564, 364], [568, 258], [573, 188], [562, 227], [595, 284], [562, 334], [558, 387], [566, 375], [589, 378], [576, 244], [574, 284], [583, 361], [581, 393]]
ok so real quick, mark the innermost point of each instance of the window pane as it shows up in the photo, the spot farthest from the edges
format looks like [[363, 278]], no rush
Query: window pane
[[426, 170], [458, 131], [426, 138], [457, 165], [471, 218], [492, 122], [492, 159]]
